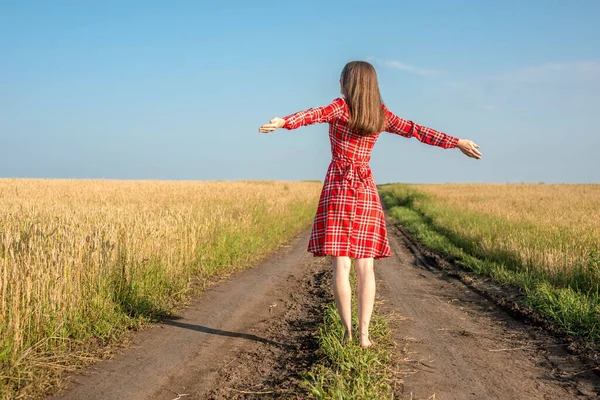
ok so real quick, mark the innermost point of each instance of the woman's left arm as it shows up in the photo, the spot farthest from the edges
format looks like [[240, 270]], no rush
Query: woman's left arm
[[311, 116]]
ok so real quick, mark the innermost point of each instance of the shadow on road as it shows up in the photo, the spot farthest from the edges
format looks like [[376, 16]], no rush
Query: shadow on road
[[219, 332]]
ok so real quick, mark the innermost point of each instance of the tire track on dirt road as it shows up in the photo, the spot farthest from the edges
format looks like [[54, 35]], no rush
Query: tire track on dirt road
[[259, 322], [459, 345]]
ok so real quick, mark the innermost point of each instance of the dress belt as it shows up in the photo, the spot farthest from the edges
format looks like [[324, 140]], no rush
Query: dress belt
[[354, 172]]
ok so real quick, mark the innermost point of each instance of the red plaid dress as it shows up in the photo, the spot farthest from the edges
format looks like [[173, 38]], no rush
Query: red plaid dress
[[349, 220]]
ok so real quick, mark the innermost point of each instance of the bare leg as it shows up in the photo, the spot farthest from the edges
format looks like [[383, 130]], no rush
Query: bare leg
[[342, 293], [365, 297]]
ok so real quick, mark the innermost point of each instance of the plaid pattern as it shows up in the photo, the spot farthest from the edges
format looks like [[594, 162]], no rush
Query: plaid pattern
[[349, 220]]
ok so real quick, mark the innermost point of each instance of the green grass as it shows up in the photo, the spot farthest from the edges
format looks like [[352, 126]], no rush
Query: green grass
[[347, 372], [570, 296]]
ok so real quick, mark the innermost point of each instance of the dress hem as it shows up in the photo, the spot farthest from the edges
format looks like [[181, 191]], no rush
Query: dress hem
[[321, 254]]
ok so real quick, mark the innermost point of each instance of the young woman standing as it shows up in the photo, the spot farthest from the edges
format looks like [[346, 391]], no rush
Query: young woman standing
[[349, 222]]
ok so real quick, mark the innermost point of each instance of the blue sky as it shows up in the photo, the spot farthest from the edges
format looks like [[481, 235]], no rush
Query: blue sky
[[177, 90]]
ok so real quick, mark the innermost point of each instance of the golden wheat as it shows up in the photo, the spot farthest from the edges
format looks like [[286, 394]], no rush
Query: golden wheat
[[72, 251], [554, 227]]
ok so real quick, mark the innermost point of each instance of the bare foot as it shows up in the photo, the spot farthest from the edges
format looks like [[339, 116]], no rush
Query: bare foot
[[365, 342], [347, 337]]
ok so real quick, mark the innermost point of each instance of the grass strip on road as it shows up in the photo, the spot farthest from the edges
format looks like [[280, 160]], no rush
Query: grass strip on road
[[347, 372]]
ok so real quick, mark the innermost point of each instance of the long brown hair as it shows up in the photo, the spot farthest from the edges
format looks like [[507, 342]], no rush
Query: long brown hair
[[361, 90]]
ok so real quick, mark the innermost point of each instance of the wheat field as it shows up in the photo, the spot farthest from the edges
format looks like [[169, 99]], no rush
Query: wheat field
[[554, 227], [82, 259], [544, 239]]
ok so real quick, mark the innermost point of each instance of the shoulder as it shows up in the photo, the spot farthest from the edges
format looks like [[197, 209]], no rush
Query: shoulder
[[338, 102], [386, 111], [338, 106]]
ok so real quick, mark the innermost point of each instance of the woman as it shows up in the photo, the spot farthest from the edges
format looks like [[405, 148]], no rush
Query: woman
[[349, 222]]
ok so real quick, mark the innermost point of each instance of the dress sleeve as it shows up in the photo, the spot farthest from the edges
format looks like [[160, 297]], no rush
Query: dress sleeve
[[406, 128], [316, 115]]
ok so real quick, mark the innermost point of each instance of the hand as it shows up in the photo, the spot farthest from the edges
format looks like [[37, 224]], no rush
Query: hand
[[275, 123], [469, 148]]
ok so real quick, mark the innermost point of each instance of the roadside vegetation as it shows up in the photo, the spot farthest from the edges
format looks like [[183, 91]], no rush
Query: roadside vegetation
[[544, 239], [84, 262]]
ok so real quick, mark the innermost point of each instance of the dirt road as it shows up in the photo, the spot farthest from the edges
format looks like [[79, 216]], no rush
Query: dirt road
[[460, 346], [251, 335]]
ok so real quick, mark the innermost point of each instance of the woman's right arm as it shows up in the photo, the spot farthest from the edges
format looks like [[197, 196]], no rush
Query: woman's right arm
[[429, 136], [406, 128]]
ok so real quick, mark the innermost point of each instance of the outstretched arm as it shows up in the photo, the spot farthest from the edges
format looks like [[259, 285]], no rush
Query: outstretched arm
[[429, 136], [308, 117]]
